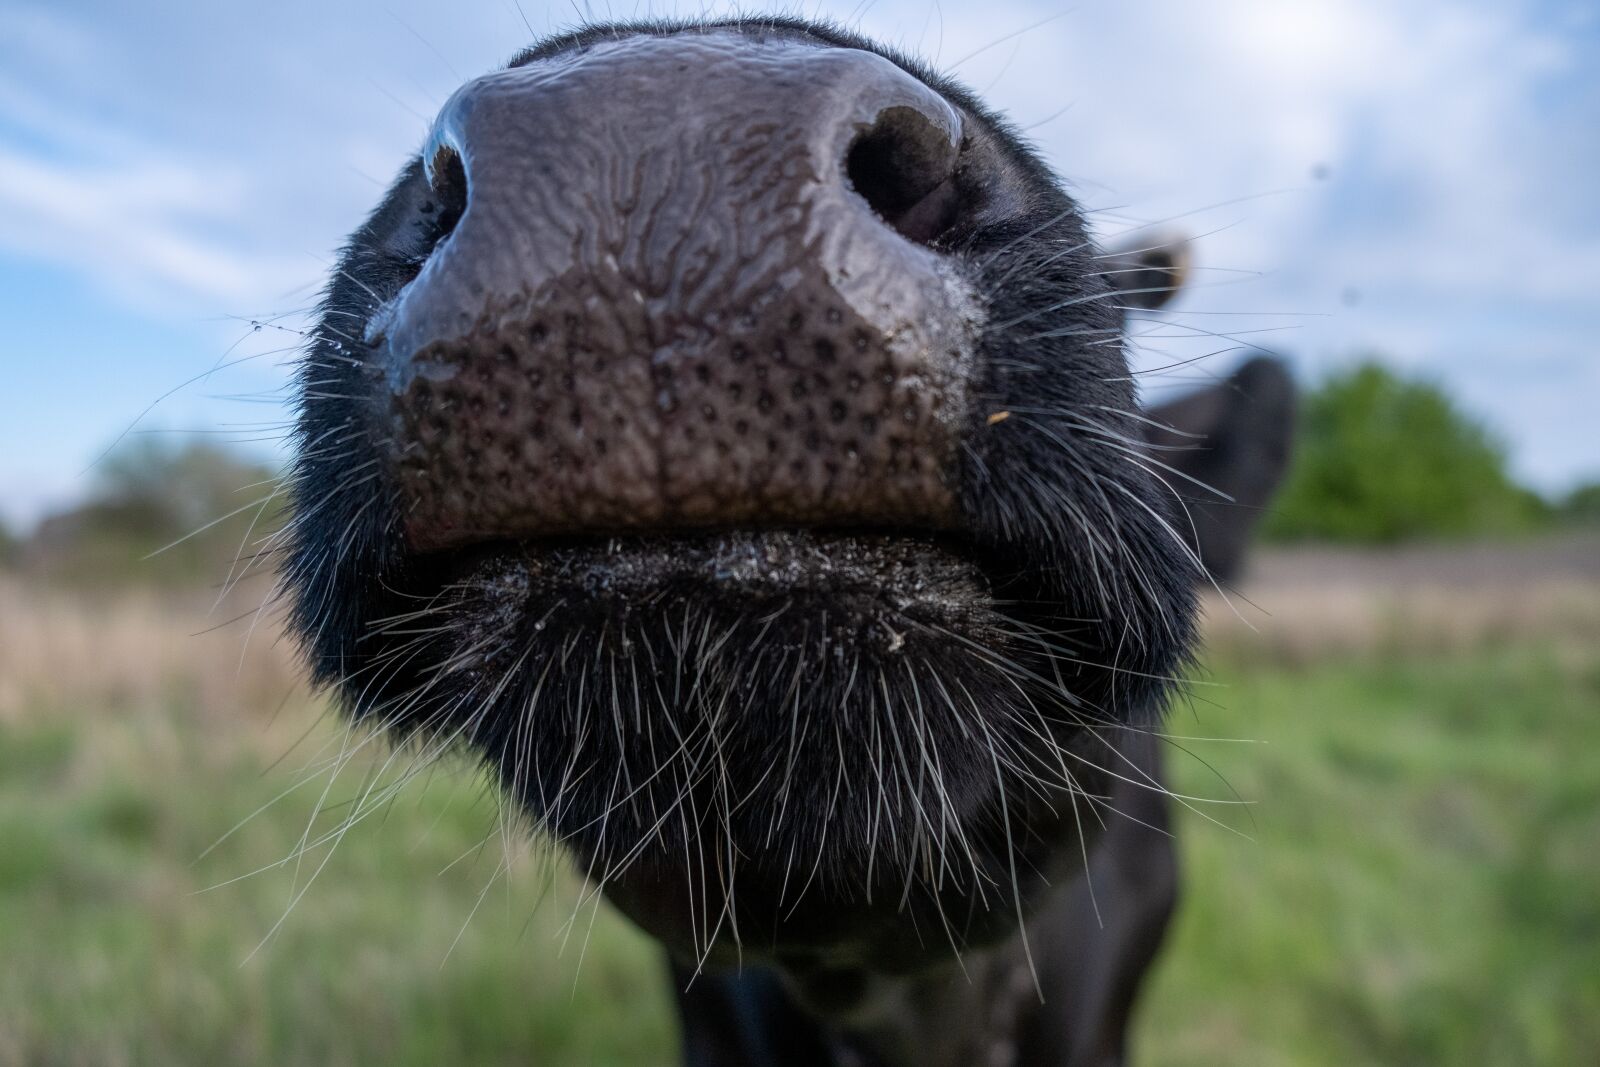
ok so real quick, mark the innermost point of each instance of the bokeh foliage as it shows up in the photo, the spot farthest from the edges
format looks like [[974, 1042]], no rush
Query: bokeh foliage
[[159, 510], [1581, 504], [1383, 458]]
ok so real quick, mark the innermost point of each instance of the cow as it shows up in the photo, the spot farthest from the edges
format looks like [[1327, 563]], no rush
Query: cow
[[724, 429]]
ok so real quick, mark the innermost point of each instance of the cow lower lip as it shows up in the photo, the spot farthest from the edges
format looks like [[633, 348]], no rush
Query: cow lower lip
[[899, 571]]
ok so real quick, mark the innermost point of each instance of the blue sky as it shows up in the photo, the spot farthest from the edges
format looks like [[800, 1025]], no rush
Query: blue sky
[[1416, 178]]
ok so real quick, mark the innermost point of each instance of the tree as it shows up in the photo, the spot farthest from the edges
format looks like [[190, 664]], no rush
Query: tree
[[1383, 458], [159, 512], [1581, 504]]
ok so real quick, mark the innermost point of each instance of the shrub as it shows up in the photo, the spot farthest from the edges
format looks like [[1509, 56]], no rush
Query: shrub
[[1581, 505], [1383, 458], [158, 512]]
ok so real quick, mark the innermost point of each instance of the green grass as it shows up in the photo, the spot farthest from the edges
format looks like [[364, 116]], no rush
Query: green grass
[[115, 953], [1420, 884]]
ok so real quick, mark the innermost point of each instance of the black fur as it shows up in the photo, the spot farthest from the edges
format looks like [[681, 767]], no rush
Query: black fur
[[848, 750]]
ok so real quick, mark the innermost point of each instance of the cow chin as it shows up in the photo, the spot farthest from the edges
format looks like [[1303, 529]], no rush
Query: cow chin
[[807, 736]]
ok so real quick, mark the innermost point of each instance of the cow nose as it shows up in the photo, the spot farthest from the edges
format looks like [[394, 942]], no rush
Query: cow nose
[[845, 115], [683, 281]]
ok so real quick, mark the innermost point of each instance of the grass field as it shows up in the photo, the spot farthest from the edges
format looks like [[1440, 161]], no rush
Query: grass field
[[1417, 880]]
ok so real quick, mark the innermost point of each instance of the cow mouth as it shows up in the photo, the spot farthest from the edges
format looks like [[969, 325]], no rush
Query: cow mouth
[[937, 573], [844, 593], [856, 600], [821, 710]]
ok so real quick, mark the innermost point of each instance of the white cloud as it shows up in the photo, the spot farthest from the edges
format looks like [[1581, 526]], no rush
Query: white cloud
[[206, 164], [136, 226]]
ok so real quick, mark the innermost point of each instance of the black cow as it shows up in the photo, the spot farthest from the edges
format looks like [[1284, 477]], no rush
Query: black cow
[[724, 429]]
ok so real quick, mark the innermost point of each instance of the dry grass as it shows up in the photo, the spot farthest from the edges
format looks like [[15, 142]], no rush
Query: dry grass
[[1304, 626], [1299, 607], [1308, 605], [104, 654], [139, 649]]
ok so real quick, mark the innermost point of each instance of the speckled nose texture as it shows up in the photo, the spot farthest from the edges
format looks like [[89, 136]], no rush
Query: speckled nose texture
[[686, 288]]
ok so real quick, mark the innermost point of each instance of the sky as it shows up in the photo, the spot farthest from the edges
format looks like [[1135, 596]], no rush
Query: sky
[[1415, 178]]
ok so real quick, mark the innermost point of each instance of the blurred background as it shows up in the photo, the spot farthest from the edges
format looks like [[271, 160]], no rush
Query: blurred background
[[199, 866]]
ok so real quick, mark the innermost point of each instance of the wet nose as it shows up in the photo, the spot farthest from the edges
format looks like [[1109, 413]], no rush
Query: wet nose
[[684, 281]]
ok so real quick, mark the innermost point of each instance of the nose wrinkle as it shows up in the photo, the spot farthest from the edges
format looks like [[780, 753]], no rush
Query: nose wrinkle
[[664, 306]]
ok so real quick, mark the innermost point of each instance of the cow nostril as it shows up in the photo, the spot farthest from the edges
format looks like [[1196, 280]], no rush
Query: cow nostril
[[903, 165], [447, 177]]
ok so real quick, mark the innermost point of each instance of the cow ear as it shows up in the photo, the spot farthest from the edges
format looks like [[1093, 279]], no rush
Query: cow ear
[[1234, 438], [1148, 269]]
